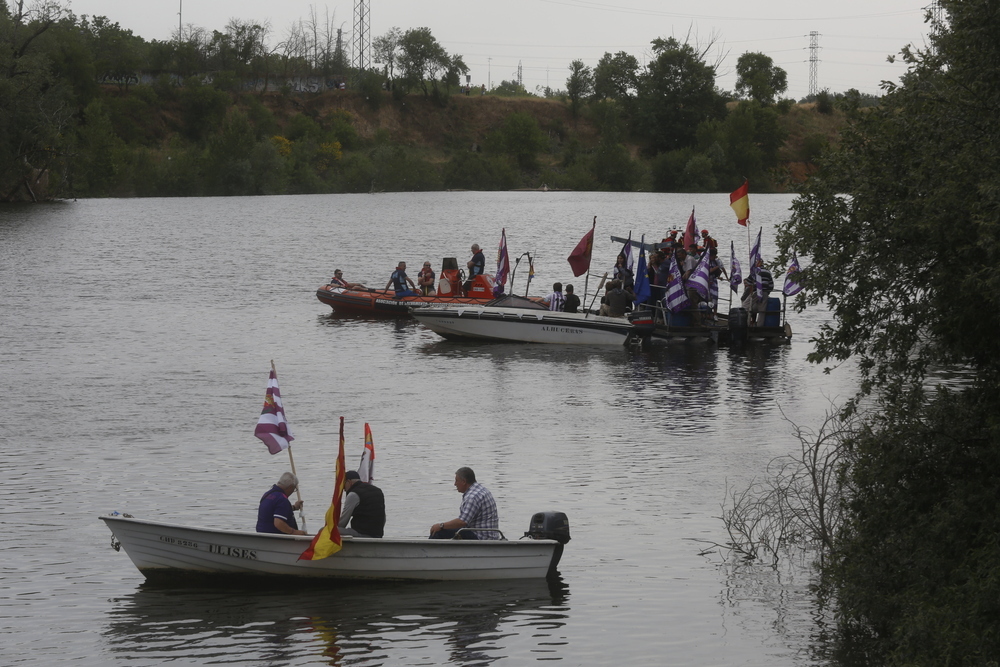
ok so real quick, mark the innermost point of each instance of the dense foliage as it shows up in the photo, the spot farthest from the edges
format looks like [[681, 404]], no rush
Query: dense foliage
[[902, 225], [89, 109]]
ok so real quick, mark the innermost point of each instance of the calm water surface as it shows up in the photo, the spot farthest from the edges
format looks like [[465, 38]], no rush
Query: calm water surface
[[135, 344]]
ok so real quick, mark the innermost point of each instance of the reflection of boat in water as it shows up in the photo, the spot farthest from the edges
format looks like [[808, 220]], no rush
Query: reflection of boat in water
[[377, 623], [450, 289], [514, 319], [163, 550]]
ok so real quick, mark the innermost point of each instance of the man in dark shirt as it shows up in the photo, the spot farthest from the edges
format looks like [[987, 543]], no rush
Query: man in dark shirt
[[571, 302], [476, 266], [399, 280], [364, 508], [276, 514]]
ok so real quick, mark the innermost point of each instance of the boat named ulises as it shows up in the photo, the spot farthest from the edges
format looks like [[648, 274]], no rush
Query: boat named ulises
[[164, 551]]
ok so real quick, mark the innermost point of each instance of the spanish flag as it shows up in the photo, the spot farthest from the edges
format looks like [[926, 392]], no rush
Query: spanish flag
[[739, 201], [328, 541]]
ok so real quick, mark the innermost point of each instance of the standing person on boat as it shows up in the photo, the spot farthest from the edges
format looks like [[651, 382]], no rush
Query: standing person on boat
[[276, 514], [338, 281], [476, 266], [478, 510], [715, 269], [571, 302], [364, 508], [691, 260], [753, 302], [399, 280], [623, 273], [616, 301], [707, 242], [657, 272], [555, 300], [425, 280]]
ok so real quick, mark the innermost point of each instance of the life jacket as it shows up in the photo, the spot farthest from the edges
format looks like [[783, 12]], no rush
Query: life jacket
[[369, 516]]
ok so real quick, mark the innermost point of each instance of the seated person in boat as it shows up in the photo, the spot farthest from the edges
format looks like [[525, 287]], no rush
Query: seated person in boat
[[399, 280], [555, 299], [476, 266], [338, 281], [364, 508], [478, 510], [425, 280], [616, 301], [571, 302], [276, 514]]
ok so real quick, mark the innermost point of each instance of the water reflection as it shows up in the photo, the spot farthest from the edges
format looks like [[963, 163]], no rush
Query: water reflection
[[466, 623]]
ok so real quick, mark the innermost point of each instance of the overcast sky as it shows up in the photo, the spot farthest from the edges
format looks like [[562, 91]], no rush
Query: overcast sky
[[544, 36]]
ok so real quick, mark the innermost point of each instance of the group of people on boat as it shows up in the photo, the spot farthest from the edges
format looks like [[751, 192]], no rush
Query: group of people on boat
[[403, 286], [363, 510]]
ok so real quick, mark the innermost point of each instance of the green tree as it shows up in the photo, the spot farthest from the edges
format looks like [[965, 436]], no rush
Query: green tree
[[421, 59], [676, 93], [616, 77], [520, 138], [759, 79], [579, 85], [902, 230], [35, 117]]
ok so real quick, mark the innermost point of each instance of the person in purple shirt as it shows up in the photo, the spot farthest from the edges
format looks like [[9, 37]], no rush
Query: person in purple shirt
[[276, 514]]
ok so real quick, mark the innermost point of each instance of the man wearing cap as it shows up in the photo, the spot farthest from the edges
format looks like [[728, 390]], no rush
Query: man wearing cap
[[364, 508], [478, 510], [276, 514], [707, 242]]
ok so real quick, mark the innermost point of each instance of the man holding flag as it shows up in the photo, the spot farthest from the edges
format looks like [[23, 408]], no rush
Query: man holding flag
[[276, 514]]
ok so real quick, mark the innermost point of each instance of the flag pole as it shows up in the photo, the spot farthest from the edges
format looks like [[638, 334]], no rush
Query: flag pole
[[291, 461], [603, 278]]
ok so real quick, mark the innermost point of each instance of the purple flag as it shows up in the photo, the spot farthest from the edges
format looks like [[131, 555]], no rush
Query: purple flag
[[699, 277], [735, 274], [755, 254], [272, 427], [676, 298], [792, 286], [503, 265]]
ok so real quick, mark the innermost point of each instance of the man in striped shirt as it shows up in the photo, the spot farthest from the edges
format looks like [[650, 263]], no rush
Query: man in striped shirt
[[477, 511]]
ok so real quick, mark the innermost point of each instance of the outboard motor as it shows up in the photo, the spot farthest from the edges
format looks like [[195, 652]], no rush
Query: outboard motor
[[550, 526]]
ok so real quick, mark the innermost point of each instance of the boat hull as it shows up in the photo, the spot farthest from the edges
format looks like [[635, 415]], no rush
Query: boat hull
[[161, 550], [524, 325], [384, 302]]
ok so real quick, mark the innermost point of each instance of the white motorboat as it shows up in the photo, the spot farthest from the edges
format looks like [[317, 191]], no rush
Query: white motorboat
[[529, 324], [163, 551]]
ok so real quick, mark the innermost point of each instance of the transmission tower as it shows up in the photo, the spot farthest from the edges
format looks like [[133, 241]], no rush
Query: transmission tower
[[520, 80], [813, 62], [362, 39]]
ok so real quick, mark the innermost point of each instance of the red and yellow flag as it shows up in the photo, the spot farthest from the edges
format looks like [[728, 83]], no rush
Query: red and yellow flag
[[328, 541], [367, 468], [739, 201]]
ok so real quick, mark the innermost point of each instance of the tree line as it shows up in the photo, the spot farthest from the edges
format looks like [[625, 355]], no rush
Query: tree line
[[76, 120]]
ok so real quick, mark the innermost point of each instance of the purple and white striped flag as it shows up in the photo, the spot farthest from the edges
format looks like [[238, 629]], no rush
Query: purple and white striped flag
[[735, 274], [792, 285], [699, 277], [676, 299], [272, 427], [755, 255]]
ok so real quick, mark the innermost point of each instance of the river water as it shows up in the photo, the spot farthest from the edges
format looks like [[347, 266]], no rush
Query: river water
[[135, 345]]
